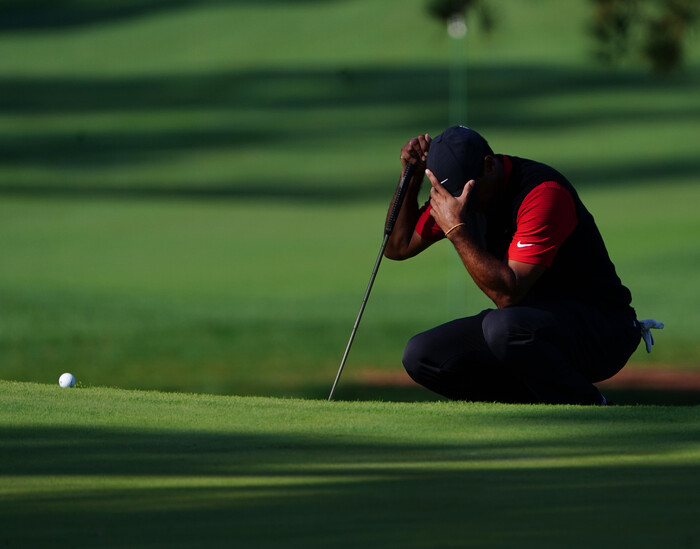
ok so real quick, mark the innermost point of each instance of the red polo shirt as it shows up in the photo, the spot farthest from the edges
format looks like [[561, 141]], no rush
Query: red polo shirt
[[545, 219]]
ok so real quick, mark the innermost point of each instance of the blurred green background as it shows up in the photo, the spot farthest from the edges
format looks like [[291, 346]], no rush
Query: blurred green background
[[192, 194]]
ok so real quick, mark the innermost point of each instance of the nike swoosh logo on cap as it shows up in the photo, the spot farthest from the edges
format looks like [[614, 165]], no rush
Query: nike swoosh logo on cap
[[519, 245]]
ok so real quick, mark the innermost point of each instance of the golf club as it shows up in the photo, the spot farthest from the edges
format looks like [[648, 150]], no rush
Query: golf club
[[400, 194]]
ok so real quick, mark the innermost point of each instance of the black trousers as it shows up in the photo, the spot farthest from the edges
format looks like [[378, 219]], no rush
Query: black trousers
[[539, 353]]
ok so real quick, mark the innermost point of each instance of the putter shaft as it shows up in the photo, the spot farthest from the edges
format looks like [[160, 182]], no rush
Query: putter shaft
[[359, 315], [389, 227]]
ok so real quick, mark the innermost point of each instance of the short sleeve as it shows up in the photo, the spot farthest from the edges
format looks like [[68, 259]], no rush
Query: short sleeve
[[545, 219], [426, 226]]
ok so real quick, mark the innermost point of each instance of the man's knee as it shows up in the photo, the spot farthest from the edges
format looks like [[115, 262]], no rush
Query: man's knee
[[413, 355], [506, 330]]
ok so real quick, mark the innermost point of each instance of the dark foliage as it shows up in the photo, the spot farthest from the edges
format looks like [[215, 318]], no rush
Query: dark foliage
[[653, 29]]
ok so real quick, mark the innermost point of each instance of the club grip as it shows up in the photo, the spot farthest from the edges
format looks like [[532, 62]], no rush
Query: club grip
[[400, 195]]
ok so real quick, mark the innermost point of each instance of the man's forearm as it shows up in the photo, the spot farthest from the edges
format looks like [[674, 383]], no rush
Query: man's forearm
[[506, 283], [493, 276], [398, 245]]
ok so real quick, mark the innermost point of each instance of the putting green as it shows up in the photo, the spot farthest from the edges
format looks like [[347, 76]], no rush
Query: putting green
[[106, 467]]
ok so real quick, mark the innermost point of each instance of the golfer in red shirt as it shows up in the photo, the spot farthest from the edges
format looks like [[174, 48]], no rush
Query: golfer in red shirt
[[563, 319]]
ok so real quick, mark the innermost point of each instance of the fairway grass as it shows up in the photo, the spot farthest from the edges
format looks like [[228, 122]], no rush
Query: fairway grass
[[192, 193], [99, 467], [180, 296]]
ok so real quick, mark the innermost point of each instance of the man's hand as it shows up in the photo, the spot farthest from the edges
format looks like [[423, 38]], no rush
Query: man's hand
[[404, 242], [505, 282], [447, 210], [415, 152]]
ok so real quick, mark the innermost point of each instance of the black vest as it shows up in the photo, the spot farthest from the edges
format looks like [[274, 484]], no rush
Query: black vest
[[582, 270]]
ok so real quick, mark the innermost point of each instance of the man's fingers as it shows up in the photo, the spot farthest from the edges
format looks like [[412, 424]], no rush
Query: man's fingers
[[422, 145], [468, 187], [464, 198], [437, 186], [416, 149]]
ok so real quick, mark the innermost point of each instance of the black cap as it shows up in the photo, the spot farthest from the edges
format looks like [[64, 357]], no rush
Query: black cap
[[457, 154]]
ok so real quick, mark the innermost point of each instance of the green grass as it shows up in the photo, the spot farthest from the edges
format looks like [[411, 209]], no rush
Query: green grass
[[180, 296], [113, 468], [193, 192]]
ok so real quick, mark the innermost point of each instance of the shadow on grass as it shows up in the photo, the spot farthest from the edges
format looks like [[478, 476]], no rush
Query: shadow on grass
[[500, 94], [350, 391], [657, 397], [413, 393], [32, 15], [291, 190], [110, 451], [89, 487], [363, 101]]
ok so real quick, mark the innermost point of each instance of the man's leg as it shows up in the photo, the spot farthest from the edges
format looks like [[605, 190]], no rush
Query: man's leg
[[547, 348], [455, 361]]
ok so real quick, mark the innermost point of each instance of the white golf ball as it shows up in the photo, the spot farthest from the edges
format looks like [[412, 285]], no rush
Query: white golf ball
[[66, 380]]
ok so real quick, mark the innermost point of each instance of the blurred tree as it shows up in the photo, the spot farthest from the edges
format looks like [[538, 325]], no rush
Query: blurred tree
[[655, 29], [454, 11]]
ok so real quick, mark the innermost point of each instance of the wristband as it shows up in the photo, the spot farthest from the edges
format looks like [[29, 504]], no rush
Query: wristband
[[453, 228]]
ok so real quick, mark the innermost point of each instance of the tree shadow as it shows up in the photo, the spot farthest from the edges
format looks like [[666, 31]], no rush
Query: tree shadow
[[100, 486], [499, 94], [653, 397], [358, 391], [32, 15], [300, 103]]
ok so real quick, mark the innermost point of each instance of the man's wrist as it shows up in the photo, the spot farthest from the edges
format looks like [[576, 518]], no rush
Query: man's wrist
[[454, 227], [416, 182]]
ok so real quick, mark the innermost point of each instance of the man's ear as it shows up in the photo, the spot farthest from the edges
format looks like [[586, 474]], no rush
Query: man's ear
[[490, 166]]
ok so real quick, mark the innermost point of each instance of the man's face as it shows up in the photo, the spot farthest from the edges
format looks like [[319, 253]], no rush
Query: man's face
[[487, 187]]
